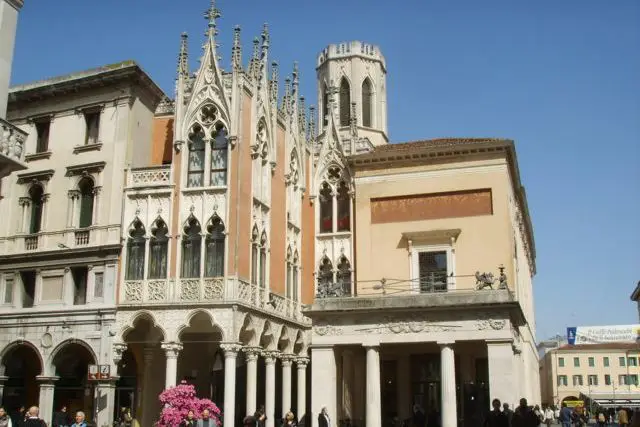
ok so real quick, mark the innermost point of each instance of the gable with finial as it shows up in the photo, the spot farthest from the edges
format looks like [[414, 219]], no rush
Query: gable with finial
[[208, 94]]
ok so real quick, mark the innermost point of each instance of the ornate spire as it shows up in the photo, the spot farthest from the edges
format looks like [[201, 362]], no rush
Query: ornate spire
[[302, 119], [211, 15], [312, 122], [255, 59], [296, 80], [353, 122], [237, 49], [183, 56], [265, 40], [273, 86]]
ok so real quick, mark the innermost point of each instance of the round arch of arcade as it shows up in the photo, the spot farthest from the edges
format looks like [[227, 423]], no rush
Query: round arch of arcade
[[33, 375], [216, 351]]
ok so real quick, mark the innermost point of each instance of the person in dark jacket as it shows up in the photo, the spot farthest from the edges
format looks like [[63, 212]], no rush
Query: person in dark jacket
[[323, 418], [496, 418], [190, 421], [260, 417], [524, 416], [33, 418], [61, 418]]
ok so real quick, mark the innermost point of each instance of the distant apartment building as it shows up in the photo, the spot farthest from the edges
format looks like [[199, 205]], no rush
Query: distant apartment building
[[635, 296], [607, 374]]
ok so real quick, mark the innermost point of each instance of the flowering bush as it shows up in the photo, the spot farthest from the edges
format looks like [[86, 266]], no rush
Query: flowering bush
[[179, 400]]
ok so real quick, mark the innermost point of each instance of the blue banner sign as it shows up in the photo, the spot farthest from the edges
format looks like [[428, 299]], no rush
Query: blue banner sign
[[603, 334]]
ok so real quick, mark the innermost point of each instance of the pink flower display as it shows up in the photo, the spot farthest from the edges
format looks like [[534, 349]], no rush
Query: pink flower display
[[179, 400]]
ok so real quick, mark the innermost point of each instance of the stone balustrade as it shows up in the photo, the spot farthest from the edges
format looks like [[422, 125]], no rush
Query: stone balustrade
[[149, 176], [209, 290], [60, 240]]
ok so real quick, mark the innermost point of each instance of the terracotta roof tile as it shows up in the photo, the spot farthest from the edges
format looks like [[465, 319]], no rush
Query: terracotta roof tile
[[434, 143]]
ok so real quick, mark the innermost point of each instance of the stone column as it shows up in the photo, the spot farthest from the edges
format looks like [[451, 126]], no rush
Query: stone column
[[106, 403], [45, 403], [286, 360], [171, 349], [403, 386], [270, 386], [3, 379], [448, 385], [230, 355], [374, 418], [301, 406], [323, 383], [146, 402], [502, 378], [251, 357]]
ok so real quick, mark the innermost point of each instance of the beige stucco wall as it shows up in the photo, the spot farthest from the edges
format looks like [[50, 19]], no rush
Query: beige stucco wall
[[381, 250]]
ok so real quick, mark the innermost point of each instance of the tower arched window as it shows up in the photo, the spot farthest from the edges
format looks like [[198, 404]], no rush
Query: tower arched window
[[344, 275], [214, 263], [326, 208], [36, 194], [367, 98], [325, 276], [191, 244], [158, 250], [345, 102], [344, 207], [135, 251], [255, 243], [86, 202], [195, 171], [263, 260], [219, 156], [325, 105]]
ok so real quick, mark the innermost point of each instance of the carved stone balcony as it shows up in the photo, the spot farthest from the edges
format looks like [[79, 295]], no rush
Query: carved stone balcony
[[153, 176], [210, 290], [11, 148]]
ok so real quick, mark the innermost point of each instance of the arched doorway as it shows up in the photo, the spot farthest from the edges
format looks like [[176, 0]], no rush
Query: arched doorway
[[141, 371], [73, 389], [21, 364], [201, 360]]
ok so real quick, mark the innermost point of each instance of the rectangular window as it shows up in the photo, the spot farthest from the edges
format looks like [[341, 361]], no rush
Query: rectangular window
[[92, 120], [576, 362], [607, 379], [593, 379], [219, 157], [98, 285], [632, 361], [79, 275], [577, 380], [592, 362], [42, 130], [622, 361], [622, 380], [633, 379], [28, 287], [562, 380], [432, 270], [561, 362], [605, 362], [8, 291]]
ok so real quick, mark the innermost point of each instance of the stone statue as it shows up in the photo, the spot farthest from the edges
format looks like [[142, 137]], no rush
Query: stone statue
[[484, 280]]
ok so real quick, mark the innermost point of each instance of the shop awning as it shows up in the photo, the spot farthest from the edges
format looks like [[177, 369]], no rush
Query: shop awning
[[611, 400]]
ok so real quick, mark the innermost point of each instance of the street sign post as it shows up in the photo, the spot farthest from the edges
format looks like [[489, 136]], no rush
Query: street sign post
[[99, 372], [93, 372]]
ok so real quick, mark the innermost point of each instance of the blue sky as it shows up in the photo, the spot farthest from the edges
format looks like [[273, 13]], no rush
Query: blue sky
[[561, 78]]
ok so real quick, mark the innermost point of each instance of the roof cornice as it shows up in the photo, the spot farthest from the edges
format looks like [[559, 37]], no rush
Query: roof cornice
[[16, 4]]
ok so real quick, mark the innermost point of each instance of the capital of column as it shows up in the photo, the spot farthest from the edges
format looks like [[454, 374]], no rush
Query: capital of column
[[3, 379], [270, 356], [172, 349], [251, 353], [230, 349], [118, 350], [446, 343], [287, 359], [46, 381], [302, 362]]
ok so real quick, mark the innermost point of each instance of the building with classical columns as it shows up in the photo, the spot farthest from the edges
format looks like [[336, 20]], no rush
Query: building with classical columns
[[265, 253]]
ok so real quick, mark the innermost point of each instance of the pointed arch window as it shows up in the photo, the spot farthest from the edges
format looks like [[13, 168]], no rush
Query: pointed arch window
[[367, 98], [191, 244], [263, 260], [36, 196], [158, 250], [345, 103], [326, 208], [219, 156], [344, 207], [254, 255], [344, 275], [214, 262], [325, 106], [135, 251], [195, 172], [325, 276], [87, 193], [289, 288]]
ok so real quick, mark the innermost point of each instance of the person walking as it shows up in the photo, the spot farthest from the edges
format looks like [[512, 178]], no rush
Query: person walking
[[33, 418], [508, 412], [548, 416], [80, 420], [565, 415], [5, 419], [524, 416], [206, 420], [623, 417], [190, 420], [323, 418]]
